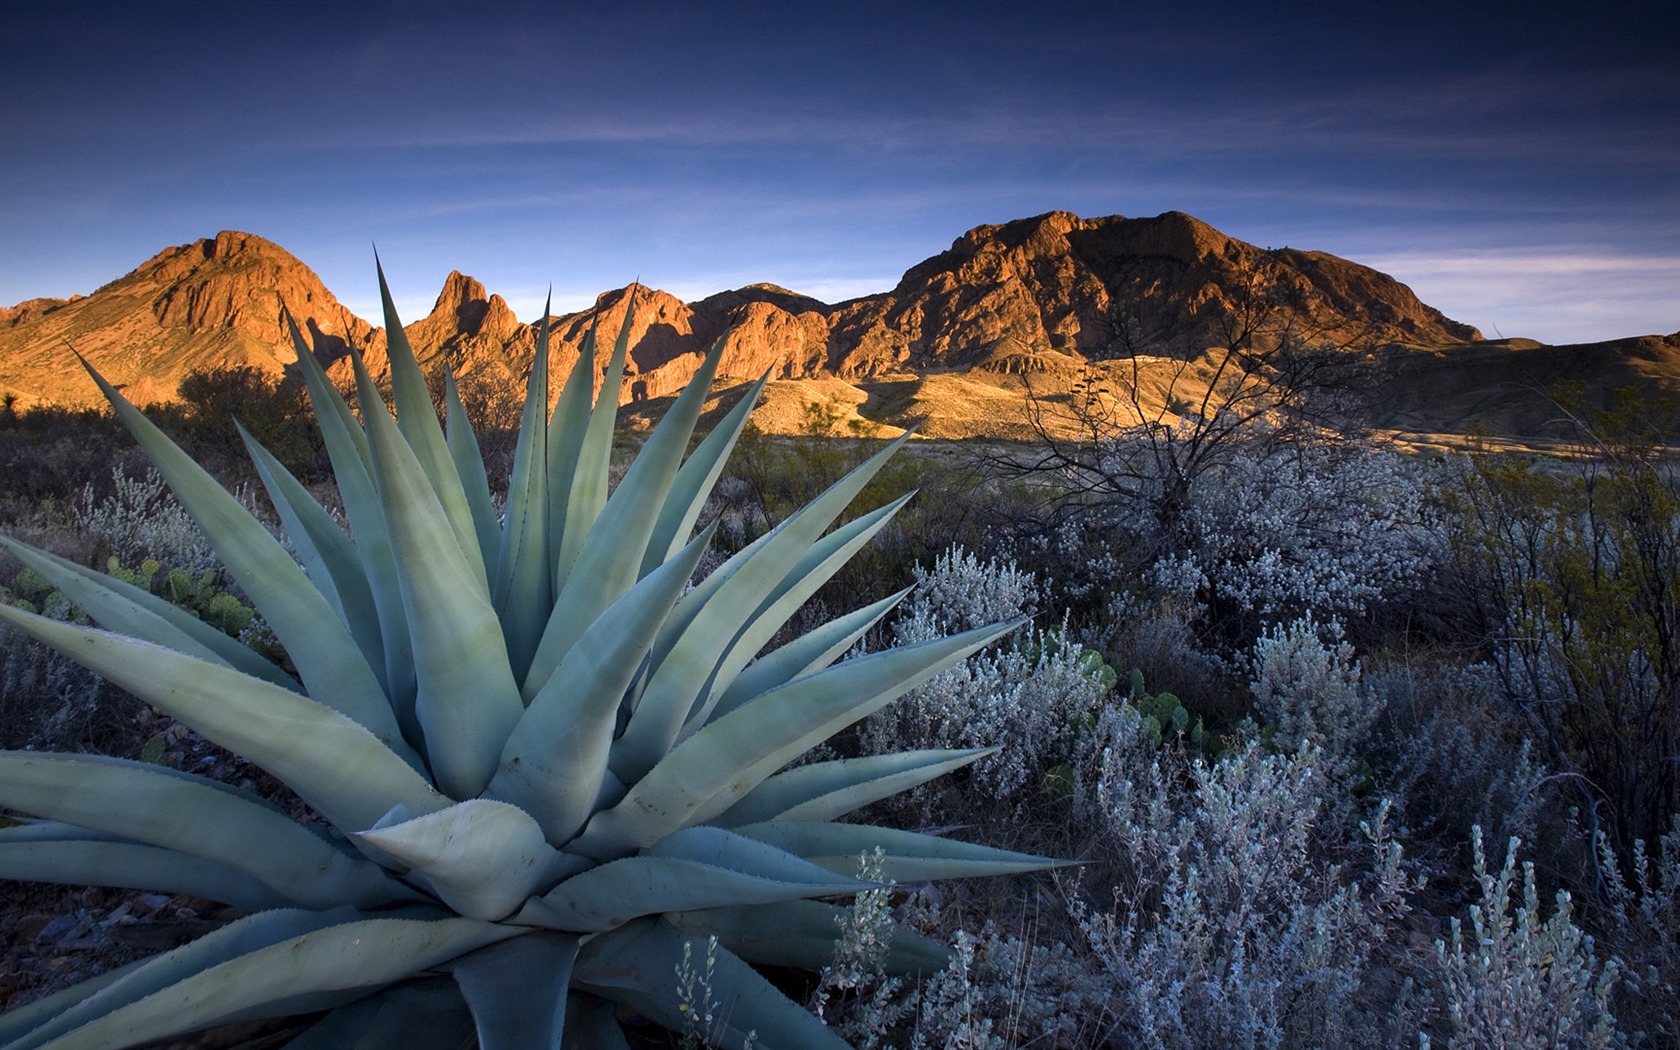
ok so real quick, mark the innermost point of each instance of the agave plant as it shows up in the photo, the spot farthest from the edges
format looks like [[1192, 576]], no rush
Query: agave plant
[[543, 759]]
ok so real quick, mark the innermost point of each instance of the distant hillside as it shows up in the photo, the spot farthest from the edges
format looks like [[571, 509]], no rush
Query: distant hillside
[[949, 349]]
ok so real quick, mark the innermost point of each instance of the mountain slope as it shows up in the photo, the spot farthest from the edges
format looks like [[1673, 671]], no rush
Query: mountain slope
[[951, 348]]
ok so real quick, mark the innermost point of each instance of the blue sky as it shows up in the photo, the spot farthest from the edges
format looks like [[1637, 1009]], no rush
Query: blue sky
[[1517, 164]]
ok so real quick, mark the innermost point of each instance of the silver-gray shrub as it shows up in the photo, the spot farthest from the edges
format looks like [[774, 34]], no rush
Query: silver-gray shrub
[[1518, 981], [141, 519], [1228, 926], [1321, 530], [1455, 751], [1028, 698], [1307, 685], [1642, 907], [1273, 534]]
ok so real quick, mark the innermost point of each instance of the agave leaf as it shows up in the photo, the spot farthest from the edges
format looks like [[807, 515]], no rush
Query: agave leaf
[[347, 447], [634, 965], [332, 414], [566, 430], [466, 699], [61, 853], [217, 978], [910, 856], [517, 990], [555, 759], [332, 762], [483, 858], [524, 588], [810, 652], [328, 555], [682, 674], [469, 465], [610, 559], [593, 461], [826, 790], [417, 1015], [127, 609], [802, 934], [824, 559], [152, 804], [696, 478], [592, 1024], [420, 429], [709, 771], [693, 868], [95, 997], [327, 658]]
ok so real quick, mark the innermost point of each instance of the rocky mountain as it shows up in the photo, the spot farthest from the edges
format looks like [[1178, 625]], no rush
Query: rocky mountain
[[946, 349]]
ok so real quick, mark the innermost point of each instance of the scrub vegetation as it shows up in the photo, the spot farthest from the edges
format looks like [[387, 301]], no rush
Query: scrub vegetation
[[1352, 748]]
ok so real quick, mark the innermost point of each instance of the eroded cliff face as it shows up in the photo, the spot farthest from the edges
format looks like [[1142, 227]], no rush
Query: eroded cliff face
[[1053, 284]]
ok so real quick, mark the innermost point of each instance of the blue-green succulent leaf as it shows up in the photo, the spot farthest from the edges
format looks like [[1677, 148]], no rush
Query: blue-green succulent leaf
[[524, 587], [52, 852], [466, 699], [424, 435], [702, 867], [681, 676], [802, 934], [327, 658], [483, 858], [332, 762], [707, 773], [910, 856], [610, 560], [807, 654], [555, 759], [694, 481], [256, 965], [127, 609], [158, 806], [587, 492], [517, 990], [328, 555], [635, 965], [415, 1015], [826, 790]]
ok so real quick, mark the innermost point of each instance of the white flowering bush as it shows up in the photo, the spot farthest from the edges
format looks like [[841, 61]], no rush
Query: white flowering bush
[[1028, 699], [1517, 981], [1318, 530]]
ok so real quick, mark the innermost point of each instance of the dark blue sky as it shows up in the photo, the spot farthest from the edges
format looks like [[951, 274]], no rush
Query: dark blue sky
[[1518, 165]]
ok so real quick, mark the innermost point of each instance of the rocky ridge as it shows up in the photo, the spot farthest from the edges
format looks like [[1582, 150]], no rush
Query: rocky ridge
[[1044, 295]]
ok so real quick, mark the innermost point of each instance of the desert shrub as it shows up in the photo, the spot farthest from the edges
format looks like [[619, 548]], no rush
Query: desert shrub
[[1571, 581], [1640, 914], [1028, 698], [998, 991], [49, 453], [273, 411], [1518, 980], [1307, 687], [1455, 753], [1229, 926], [140, 519]]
